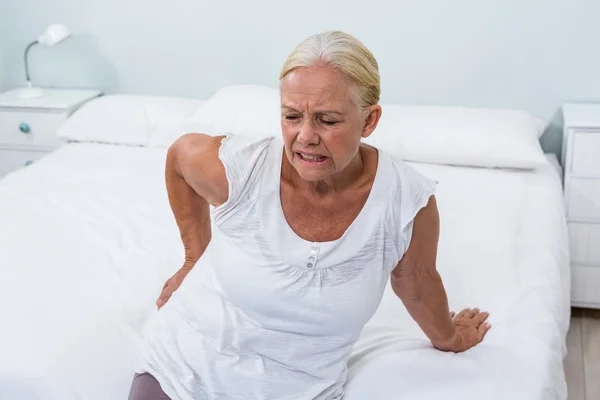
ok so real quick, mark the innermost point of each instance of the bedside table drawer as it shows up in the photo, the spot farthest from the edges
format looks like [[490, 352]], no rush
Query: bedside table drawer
[[584, 240], [586, 149], [585, 286], [11, 160], [30, 128], [583, 199]]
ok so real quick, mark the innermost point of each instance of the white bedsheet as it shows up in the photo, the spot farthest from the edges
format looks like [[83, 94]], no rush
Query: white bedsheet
[[87, 239]]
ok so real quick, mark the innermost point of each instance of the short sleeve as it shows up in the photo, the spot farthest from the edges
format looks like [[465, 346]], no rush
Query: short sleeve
[[411, 191], [243, 158]]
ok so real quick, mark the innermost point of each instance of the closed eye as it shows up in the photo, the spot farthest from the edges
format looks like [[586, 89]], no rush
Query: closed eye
[[330, 123]]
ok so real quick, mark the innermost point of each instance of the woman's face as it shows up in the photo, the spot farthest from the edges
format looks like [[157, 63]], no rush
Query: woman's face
[[321, 125]]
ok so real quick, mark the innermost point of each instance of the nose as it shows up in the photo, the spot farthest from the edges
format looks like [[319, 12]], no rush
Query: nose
[[308, 135]]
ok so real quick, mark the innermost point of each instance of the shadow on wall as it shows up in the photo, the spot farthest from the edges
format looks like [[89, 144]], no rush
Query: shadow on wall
[[76, 63], [551, 140]]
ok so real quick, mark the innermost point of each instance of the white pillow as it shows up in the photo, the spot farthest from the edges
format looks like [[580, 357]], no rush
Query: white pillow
[[480, 137], [164, 132], [461, 136], [241, 109], [126, 119]]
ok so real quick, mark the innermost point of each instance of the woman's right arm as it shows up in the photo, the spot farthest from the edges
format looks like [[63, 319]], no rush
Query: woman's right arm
[[195, 178]]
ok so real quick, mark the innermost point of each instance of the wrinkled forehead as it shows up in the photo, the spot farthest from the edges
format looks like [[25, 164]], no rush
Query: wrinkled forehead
[[316, 87]]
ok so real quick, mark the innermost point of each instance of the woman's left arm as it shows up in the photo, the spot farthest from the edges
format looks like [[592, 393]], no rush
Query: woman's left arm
[[416, 281]]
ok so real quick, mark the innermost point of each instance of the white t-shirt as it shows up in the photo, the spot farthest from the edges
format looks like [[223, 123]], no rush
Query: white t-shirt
[[265, 314]]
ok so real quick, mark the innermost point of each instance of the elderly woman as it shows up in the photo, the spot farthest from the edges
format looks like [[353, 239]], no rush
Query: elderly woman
[[309, 229]]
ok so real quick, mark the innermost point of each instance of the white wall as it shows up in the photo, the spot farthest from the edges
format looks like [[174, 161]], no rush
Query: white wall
[[528, 54]]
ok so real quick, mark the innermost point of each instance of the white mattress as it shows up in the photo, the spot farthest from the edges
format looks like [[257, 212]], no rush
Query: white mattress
[[87, 239]]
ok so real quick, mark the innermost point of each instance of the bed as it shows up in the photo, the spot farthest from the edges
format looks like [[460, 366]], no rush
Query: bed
[[87, 240]]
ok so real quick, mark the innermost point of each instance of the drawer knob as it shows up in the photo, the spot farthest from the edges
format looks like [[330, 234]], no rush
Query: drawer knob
[[24, 128], [28, 162]]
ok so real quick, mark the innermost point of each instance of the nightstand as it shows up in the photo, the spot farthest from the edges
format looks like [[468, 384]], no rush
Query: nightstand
[[28, 126], [581, 161]]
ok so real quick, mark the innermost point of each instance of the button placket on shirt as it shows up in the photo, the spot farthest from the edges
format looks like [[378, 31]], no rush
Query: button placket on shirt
[[313, 255]]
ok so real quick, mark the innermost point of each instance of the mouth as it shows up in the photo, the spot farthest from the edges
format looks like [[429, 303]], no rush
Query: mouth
[[311, 159]]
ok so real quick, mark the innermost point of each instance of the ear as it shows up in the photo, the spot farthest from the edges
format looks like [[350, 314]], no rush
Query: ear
[[372, 120]]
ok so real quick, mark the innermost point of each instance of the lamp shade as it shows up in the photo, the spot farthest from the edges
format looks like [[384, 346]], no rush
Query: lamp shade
[[54, 34]]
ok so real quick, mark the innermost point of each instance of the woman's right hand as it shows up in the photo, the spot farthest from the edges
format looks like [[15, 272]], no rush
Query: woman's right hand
[[171, 286]]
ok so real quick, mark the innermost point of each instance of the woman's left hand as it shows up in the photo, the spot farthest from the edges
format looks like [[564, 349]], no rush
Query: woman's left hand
[[470, 329]]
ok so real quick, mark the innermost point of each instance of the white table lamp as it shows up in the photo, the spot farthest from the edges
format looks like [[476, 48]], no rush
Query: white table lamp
[[54, 34]]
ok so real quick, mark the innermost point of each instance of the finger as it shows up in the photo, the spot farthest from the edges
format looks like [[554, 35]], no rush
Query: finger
[[164, 297], [463, 312], [482, 330], [452, 314], [162, 301], [479, 318], [476, 311]]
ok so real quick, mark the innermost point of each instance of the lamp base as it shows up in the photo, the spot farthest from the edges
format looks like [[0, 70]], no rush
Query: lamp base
[[30, 93]]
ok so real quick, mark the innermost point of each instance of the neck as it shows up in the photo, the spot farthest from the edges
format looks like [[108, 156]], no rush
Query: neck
[[334, 183]]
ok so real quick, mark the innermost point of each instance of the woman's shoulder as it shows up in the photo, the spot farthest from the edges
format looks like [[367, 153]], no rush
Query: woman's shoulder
[[406, 174], [241, 154], [409, 191], [244, 159], [243, 144]]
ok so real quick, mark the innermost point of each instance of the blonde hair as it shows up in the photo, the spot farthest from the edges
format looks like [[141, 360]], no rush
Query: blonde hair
[[348, 55]]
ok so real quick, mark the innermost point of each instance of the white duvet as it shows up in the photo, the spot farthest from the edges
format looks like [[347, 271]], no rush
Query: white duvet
[[87, 240]]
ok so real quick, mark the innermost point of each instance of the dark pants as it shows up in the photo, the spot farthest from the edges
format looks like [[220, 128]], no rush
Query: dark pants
[[145, 387]]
